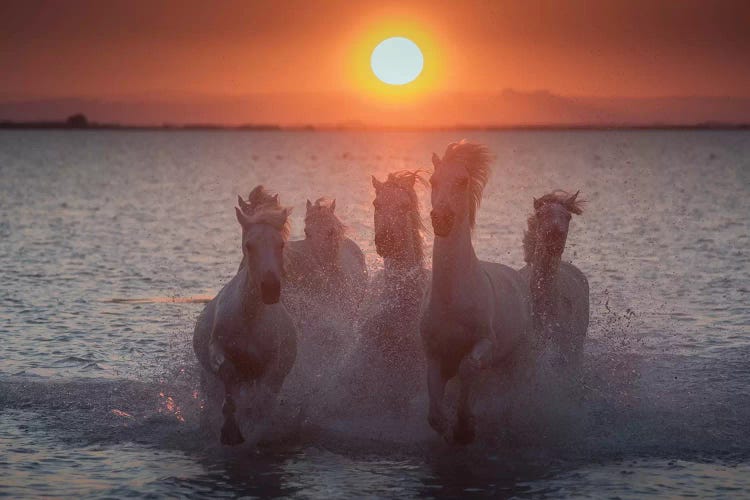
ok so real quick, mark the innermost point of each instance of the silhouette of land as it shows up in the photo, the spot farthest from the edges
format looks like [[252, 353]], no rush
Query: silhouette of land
[[65, 125], [507, 110]]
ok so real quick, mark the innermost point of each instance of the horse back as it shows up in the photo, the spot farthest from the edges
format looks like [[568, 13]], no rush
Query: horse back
[[352, 260], [512, 315]]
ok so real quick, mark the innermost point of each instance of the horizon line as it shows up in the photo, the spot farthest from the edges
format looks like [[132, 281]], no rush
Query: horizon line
[[270, 127]]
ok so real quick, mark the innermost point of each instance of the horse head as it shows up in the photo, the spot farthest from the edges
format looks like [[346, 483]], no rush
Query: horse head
[[323, 229], [549, 225], [457, 184], [396, 215], [264, 233]]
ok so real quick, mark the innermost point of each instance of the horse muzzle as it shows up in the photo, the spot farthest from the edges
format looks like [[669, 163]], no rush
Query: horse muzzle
[[442, 222], [270, 290]]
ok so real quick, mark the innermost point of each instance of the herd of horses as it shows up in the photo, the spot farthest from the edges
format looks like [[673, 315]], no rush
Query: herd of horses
[[462, 318]]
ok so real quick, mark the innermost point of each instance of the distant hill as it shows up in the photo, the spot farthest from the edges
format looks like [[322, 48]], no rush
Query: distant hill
[[507, 108]]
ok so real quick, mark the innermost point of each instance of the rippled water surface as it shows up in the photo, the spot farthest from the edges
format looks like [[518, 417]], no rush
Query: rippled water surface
[[99, 397]]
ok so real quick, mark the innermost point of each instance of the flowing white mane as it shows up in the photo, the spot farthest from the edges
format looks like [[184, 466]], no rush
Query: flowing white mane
[[475, 158], [276, 217], [262, 207]]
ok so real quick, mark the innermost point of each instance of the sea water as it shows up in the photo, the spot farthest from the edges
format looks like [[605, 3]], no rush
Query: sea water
[[99, 395]]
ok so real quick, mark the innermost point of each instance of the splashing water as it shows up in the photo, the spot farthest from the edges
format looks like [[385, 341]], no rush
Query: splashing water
[[104, 394]]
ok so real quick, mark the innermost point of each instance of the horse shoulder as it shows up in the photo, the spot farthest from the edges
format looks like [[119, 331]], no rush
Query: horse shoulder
[[574, 293], [229, 315], [274, 328], [574, 276], [202, 333]]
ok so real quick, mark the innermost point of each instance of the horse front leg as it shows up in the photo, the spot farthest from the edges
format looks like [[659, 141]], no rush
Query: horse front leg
[[436, 388], [230, 431], [468, 372]]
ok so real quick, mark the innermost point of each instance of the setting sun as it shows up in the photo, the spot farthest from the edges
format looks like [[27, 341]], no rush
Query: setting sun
[[397, 61], [394, 61]]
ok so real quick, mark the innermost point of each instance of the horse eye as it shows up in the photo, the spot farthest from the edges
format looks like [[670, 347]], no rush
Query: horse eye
[[462, 183]]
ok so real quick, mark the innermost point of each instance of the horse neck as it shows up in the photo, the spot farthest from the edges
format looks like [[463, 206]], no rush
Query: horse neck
[[408, 261], [545, 268], [326, 261], [248, 288], [454, 264]]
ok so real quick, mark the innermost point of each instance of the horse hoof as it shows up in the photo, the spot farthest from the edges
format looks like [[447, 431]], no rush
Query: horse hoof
[[463, 433], [231, 435]]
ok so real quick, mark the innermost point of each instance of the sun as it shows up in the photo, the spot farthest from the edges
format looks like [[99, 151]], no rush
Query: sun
[[394, 61], [397, 61]]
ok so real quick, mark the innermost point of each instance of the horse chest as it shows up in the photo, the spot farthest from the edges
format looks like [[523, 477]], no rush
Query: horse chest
[[448, 329]]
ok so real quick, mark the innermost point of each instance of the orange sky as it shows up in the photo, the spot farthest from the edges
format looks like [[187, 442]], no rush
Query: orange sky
[[174, 50]]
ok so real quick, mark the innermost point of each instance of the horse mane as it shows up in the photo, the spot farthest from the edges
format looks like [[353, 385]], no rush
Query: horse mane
[[322, 210], [476, 159], [558, 196], [262, 207], [277, 217], [405, 180], [259, 197]]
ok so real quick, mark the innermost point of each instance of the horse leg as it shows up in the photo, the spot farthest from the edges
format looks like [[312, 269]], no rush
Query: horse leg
[[468, 371], [230, 431], [436, 389]]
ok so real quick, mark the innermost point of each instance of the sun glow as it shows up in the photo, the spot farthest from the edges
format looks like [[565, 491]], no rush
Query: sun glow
[[379, 67]]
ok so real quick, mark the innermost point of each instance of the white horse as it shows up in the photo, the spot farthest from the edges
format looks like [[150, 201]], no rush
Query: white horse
[[389, 344], [244, 336], [477, 313], [559, 290], [326, 266]]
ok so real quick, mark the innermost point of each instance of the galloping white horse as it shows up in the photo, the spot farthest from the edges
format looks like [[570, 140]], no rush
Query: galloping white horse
[[326, 265], [559, 290], [244, 336], [389, 338], [477, 313]]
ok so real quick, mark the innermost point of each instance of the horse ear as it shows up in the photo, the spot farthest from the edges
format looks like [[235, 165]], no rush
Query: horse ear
[[408, 181], [570, 204], [276, 198], [376, 183], [537, 204], [245, 207], [333, 205], [308, 206], [241, 217], [435, 160]]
